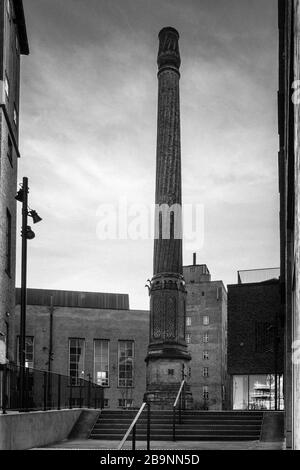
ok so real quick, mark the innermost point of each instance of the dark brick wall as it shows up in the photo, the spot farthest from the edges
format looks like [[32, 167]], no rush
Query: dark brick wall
[[248, 304]]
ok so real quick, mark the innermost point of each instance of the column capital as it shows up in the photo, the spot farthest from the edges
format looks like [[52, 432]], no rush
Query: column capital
[[168, 53]]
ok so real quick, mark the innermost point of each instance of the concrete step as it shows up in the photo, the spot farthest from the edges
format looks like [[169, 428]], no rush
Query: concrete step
[[196, 425]]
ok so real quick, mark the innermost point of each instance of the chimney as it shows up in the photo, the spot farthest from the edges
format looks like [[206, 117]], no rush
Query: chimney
[[194, 259]]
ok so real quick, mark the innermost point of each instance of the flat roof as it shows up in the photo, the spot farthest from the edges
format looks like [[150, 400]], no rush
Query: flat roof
[[65, 298]]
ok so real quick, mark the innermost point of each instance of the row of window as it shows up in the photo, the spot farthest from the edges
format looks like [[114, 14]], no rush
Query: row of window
[[188, 338], [101, 373], [205, 320]]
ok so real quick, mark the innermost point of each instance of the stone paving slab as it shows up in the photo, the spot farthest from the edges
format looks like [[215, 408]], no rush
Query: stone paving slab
[[92, 444]]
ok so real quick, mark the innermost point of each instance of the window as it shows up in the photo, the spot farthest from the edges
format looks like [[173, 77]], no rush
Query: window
[[106, 403], [206, 320], [76, 360], [189, 372], [8, 243], [205, 392], [205, 338], [101, 362], [205, 371], [126, 363], [205, 355], [203, 293], [188, 321], [6, 85], [16, 116], [125, 402], [10, 151], [29, 351], [188, 338]]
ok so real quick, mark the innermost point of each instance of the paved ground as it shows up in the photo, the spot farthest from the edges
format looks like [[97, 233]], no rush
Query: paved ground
[[91, 444]]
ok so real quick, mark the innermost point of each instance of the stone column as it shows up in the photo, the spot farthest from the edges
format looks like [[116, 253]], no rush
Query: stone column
[[167, 359]]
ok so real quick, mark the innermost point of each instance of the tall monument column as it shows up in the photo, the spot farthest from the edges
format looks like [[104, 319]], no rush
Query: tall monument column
[[167, 359]]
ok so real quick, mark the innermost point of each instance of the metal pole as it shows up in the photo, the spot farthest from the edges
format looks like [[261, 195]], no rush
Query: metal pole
[[50, 352], [89, 391], [276, 367], [133, 437], [45, 391], [148, 426], [174, 423], [71, 394], [23, 289], [4, 389], [80, 387], [58, 392]]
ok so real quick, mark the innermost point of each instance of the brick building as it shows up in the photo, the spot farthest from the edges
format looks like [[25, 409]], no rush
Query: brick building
[[13, 44], [255, 341], [206, 334], [86, 334]]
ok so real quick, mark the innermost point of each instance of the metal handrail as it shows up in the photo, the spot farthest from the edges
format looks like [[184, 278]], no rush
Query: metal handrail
[[132, 428], [179, 395]]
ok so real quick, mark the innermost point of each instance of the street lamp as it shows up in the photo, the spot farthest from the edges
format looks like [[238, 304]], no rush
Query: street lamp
[[26, 234]]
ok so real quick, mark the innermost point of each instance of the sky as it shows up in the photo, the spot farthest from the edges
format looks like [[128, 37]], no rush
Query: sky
[[88, 135]]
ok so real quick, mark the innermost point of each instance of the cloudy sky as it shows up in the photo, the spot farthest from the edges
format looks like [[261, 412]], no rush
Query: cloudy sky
[[88, 134]]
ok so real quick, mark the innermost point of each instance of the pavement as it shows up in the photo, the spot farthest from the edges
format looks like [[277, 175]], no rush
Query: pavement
[[93, 444]]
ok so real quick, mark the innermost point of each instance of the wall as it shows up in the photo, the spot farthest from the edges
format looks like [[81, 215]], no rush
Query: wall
[[206, 298], [10, 63], [26, 430], [90, 324], [248, 304]]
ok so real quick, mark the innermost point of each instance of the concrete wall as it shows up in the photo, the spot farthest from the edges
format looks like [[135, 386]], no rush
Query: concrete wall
[[40, 428]]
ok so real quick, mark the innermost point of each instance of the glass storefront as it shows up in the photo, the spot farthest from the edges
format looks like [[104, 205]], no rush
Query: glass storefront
[[257, 392]]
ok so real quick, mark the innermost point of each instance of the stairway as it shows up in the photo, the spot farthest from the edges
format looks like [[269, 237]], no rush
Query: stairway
[[196, 425]]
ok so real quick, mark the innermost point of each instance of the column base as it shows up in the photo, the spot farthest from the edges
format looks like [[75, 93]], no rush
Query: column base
[[164, 377]]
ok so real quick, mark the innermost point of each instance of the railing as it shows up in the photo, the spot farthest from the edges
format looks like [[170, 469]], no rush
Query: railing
[[181, 400], [132, 428], [45, 390]]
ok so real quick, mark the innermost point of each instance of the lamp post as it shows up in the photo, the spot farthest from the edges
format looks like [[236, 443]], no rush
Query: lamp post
[[26, 234]]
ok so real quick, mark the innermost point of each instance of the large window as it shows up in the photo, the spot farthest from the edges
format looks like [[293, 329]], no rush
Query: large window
[[205, 371], [206, 320], [76, 360], [8, 243], [101, 362], [125, 363], [257, 392], [29, 351], [205, 338], [205, 355], [188, 338]]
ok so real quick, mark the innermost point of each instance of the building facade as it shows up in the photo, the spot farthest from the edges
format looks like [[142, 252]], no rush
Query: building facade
[[289, 184], [13, 44], [95, 335], [88, 335], [206, 335], [255, 342]]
